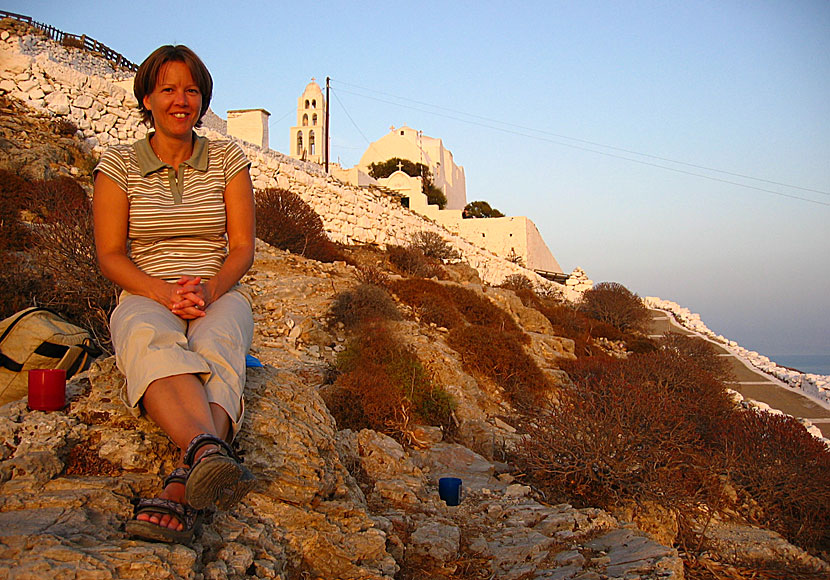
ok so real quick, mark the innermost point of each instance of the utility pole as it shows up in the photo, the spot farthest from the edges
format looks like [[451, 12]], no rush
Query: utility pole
[[327, 124]]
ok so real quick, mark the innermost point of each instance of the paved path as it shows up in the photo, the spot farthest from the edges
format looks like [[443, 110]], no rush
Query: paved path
[[753, 383]]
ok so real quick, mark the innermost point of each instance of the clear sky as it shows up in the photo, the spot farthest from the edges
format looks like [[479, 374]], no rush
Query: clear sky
[[541, 101]]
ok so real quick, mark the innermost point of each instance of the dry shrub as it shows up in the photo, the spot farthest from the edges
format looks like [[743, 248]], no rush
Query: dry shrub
[[640, 429], [383, 386], [72, 42], [55, 197], [517, 282], [13, 234], [285, 221], [64, 253], [65, 127], [615, 304], [370, 274], [499, 356], [364, 303], [785, 470], [449, 306], [433, 245], [412, 262], [700, 352]]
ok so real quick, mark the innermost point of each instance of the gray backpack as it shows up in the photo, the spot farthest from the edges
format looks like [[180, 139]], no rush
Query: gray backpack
[[37, 338]]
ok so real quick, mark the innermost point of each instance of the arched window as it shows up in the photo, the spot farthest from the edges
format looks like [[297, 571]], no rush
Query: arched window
[[305, 120], [311, 148], [314, 119], [313, 103], [306, 103], [299, 143]]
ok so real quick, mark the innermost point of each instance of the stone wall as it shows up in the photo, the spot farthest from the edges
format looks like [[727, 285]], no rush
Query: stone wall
[[69, 83]]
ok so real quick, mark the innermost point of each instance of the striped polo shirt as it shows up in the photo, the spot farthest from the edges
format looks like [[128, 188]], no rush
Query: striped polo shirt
[[176, 215]]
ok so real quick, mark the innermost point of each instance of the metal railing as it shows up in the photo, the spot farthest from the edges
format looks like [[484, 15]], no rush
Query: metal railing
[[73, 40]]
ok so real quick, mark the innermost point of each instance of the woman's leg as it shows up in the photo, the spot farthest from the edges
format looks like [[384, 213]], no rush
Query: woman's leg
[[222, 338]]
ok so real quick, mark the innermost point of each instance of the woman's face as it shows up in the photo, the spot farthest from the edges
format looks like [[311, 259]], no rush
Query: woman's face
[[175, 102]]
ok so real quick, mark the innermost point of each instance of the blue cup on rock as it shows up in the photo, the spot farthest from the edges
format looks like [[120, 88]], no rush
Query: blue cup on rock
[[449, 490]]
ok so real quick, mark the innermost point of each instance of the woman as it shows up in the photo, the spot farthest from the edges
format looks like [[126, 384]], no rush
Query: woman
[[174, 228]]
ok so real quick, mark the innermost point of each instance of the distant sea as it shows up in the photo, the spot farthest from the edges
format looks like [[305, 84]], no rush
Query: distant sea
[[817, 364]]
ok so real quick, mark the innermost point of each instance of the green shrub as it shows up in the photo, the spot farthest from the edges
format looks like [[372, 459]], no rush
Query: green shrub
[[615, 304], [480, 209], [362, 304], [285, 221], [386, 168]]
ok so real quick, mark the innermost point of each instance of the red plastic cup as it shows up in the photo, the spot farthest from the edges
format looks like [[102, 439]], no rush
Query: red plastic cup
[[47, 389]]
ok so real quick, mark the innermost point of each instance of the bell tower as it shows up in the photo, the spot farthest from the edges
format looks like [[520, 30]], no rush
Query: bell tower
[[308, 135]]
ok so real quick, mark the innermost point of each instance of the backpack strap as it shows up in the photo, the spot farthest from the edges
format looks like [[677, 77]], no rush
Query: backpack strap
[[7, 362]]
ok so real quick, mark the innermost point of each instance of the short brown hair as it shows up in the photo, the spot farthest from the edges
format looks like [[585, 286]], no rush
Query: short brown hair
[[148, 73]]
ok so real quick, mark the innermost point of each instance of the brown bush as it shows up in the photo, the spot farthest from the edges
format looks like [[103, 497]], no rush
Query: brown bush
[[370, 274], [412, 262], [433, 245], [20, 284], [72, 42], [449, 305], [615, 304], [383, 386], [13, 234], [499, 356], [285, 221], [64, 254], [700, 353], [637, 429], [783, 468], [55, 196], [517, 282], [65, 127], [362, 304]]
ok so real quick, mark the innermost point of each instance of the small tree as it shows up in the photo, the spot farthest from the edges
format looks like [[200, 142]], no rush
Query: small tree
[[481, 209]]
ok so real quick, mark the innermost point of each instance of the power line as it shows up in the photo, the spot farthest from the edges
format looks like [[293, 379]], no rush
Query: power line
[[587, 142], [582, 148], [350, 117]]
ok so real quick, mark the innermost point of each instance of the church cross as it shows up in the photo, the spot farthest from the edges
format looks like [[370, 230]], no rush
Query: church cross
[[400, 165]]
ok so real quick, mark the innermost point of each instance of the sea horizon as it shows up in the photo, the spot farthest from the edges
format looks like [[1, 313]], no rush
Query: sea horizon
[[817, 364]]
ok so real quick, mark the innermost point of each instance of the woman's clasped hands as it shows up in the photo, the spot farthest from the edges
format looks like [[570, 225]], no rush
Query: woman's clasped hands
[[190, 298]]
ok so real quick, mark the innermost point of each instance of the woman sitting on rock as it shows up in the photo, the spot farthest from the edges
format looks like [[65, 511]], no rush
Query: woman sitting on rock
[[174, 228]]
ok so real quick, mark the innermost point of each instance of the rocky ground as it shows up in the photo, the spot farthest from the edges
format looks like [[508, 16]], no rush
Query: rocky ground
[[331, 504]]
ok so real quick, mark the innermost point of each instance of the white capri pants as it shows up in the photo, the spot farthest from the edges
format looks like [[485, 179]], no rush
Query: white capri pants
[[153, 343]]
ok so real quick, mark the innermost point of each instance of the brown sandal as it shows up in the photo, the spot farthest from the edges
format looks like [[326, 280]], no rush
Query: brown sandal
[[218, 477], [187, 516]]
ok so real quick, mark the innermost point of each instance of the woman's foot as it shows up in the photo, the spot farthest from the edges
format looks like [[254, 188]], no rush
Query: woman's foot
[[166, 518], [174, 491]]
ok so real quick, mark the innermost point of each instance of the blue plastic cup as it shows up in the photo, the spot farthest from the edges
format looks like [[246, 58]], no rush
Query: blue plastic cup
[[449, 490]]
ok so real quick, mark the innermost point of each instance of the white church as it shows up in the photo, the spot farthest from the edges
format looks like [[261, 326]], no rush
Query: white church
[[508, 237]]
